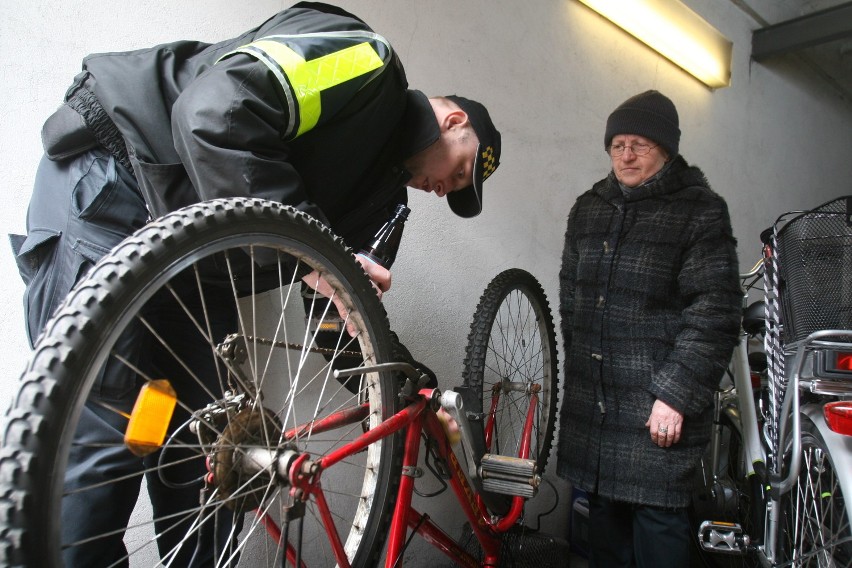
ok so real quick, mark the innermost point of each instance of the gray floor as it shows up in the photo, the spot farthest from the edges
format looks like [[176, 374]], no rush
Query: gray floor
[[529, 550]]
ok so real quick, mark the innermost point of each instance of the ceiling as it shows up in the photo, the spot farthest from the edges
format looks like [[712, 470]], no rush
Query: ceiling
[[817, 32]]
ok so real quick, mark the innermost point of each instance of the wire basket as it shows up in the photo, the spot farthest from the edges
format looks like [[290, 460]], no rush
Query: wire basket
[[814, 253]]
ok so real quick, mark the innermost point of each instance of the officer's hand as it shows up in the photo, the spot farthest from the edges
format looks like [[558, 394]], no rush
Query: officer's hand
[[318, 283], [379, 275]]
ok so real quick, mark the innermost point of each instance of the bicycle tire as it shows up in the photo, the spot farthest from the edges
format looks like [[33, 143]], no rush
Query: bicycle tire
[[179, 260], [512, 342], [816, 518]]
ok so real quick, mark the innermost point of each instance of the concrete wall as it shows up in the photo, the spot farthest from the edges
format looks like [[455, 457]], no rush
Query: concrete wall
[[550, 72]]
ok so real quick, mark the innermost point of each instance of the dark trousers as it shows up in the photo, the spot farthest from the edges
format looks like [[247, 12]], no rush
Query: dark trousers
[[80, 209], [624, 535]]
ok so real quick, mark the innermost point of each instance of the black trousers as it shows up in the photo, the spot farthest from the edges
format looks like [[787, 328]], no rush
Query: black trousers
[[625, 535]]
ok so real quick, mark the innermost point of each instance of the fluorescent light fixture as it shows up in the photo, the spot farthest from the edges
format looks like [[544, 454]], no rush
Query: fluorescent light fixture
[[675, 32]]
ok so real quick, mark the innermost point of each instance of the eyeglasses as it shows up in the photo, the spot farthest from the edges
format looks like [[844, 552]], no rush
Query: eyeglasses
[[640, 149]]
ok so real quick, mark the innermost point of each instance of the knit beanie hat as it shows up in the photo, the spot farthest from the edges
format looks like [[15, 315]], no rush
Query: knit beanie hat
[[650, 114]]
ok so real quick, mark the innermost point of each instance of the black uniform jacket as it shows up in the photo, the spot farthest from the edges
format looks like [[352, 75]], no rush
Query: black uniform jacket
[[311, 109]]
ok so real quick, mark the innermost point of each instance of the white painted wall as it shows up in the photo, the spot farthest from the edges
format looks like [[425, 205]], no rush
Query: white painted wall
[[550, 72]]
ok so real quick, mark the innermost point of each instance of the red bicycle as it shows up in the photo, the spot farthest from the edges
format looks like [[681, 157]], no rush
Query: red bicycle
[[266, 432]]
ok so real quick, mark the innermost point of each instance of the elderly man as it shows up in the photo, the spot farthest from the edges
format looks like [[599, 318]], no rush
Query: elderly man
[[649, 300]]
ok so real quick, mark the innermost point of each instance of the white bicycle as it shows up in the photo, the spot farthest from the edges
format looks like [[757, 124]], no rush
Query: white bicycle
[[777, 477]]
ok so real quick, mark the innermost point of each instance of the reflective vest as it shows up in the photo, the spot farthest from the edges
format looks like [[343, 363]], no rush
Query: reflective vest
[[319, 73]]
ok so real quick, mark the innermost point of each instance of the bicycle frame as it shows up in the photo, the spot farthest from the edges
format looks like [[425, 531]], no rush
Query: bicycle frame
[[754, 451], [418, 416]]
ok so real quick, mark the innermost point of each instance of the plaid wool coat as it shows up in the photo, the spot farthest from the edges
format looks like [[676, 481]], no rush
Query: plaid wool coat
[[650, 306]]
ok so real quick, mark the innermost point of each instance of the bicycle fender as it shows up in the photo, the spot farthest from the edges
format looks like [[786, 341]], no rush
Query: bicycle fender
[[839, 446]]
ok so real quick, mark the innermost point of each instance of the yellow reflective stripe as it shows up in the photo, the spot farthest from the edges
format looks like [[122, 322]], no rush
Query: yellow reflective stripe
[[310, 78]]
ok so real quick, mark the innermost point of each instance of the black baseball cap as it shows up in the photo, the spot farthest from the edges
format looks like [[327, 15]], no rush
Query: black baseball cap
[[467, 202]]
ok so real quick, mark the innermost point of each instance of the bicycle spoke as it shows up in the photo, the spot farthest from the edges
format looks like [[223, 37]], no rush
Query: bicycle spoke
[[209, 301]]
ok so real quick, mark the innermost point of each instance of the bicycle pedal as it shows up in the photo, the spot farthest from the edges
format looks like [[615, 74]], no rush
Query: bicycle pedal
[[727, 538], [509, 476]]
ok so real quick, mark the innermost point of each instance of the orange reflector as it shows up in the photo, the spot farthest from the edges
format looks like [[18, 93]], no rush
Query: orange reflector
[[150, 418], [334, 325], [838, 415], [331, 323]]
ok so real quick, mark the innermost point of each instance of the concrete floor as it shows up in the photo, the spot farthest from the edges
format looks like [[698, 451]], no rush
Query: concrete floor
[[527, 550]]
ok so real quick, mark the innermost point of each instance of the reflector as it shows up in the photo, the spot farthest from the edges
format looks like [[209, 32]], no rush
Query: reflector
[[150, 418], [838, 416], [843, 361]]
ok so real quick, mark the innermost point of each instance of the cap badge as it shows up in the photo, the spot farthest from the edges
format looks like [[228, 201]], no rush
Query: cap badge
[[488, 162]]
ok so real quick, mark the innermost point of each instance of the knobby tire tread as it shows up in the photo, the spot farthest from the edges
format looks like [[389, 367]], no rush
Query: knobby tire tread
[[480, 330], [30, 437]]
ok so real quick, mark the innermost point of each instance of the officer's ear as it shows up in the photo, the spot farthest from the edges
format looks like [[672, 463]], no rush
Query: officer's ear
[[454, 119]]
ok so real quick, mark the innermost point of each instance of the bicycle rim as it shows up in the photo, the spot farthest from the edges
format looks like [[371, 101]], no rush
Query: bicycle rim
[[512, 348], [817, 532], [208, 298]]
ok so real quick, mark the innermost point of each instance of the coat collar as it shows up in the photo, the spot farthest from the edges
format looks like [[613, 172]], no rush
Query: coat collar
[[679, 175]]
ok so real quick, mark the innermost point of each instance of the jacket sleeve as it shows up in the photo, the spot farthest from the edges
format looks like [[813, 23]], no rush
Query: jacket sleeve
[[227, 129], [568, 282], [708, 285]]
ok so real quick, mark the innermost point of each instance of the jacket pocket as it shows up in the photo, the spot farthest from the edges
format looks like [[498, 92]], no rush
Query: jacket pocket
[[165, 187], [106, 197], [30, 251], [33, 255]]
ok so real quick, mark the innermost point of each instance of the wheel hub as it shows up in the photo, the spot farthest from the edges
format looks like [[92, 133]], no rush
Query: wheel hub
[[242, 480]]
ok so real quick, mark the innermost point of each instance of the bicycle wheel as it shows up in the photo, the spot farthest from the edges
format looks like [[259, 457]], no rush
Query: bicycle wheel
[[511, 351], [816, 518], [208, 298]]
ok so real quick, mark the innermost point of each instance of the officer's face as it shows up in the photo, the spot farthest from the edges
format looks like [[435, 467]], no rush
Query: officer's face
[[447, 165]]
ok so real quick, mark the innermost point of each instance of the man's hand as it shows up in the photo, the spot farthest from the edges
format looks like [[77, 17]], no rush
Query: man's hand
[[379, 276], [318, 283], [664, 424]]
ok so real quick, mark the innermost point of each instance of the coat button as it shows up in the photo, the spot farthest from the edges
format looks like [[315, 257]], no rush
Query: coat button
[[600, 301], [597, 356], [606, 247]]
